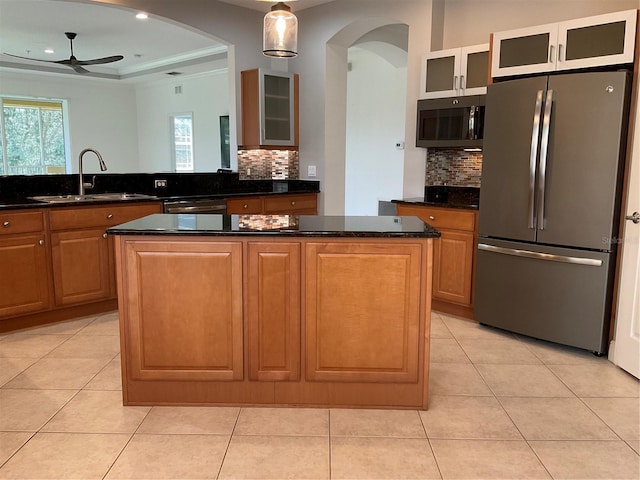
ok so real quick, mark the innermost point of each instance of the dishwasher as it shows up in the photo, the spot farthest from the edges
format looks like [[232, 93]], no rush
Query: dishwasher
[[200, 205]]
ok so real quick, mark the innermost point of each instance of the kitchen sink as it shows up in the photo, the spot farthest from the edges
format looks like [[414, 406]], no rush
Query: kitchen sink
[[92, 197]]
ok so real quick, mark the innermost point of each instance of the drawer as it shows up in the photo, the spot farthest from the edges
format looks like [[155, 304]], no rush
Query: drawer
[[290, 203], [240, 206], [21, 222], [448, 218], [99, 216]]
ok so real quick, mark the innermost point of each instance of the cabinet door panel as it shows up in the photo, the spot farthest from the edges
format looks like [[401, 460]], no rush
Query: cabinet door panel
[[81, 268], [526, 50], [474, 70], [273, 311], [25, 284], [453, 267], [440, 74], [362, 310], [184, 310], [594, 41]]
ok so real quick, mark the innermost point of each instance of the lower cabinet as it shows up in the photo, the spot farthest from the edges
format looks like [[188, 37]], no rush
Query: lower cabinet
[[186, 320], [453, 256], [236, 320], [81, 266], [283, 204], [25, 288], [56, 260]]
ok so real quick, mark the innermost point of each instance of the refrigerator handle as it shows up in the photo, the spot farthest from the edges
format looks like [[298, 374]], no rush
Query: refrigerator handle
[[535, 133], [544, 149], [592, 262]]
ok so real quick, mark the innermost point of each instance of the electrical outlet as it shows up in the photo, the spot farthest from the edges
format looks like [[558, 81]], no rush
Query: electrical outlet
[[311, 171], [399, 145], [160, 183]]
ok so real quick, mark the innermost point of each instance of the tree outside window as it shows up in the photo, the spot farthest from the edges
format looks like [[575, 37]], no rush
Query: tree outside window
[[32, 137]]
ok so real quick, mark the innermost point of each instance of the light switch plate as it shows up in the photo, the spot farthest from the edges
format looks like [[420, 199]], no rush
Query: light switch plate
[[311, 171]]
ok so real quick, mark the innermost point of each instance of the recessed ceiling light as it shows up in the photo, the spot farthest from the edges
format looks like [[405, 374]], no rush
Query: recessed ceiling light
[[49, 50], [142, 16]]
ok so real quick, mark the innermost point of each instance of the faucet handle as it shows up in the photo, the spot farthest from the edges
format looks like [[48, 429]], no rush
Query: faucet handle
[[90, 184]]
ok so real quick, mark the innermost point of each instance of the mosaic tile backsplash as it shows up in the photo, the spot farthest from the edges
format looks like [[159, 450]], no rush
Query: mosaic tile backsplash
[[267, 164], [453, 166]]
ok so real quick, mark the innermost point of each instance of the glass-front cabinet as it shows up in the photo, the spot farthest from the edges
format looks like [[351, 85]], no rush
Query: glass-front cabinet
[[586, 42], [455, 72], [269, 108]]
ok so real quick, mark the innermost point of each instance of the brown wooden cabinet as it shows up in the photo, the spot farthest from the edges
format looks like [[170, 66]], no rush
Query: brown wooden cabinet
[[185, 322], [58, 263], [298, 321], [273, 310], [23, 262], [454, 255], [82, 253], [270, 109], [289, 204]]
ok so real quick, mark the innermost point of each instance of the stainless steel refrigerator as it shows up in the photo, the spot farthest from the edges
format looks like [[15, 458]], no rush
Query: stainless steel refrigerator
[[549, 205]]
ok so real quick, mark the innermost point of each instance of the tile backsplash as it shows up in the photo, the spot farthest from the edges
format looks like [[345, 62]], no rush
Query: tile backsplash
[[453, 166], [267, 164]]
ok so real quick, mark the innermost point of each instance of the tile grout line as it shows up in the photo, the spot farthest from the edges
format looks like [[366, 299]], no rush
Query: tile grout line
[[226, 450]]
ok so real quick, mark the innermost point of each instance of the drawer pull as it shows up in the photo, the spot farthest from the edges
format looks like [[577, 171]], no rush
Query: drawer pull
[[293, 203], [431, 217], [40, 242], [110, 216], [245, 206], [5, 224], [104, 235]]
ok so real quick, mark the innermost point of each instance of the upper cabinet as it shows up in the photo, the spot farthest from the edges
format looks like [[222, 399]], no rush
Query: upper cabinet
[[586, 42], [455, 72], [270, 107]]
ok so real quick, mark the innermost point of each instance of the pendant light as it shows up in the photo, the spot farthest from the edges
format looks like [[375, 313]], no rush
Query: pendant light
[[280, 32]]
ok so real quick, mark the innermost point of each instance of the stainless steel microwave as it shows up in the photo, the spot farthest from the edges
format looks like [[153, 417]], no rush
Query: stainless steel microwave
[[450, 122]]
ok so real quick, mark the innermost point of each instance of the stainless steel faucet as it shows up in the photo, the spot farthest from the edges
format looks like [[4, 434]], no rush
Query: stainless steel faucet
[[103, 167]]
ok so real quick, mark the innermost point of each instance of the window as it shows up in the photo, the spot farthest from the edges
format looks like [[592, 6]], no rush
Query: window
[[182, 134], [32, 137]]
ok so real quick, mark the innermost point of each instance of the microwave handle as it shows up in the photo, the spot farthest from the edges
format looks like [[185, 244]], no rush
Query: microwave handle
[[472, 123]]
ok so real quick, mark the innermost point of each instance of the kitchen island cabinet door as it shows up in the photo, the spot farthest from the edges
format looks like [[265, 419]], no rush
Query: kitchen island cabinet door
[[81, 266], [273, 311], [363, 311], [24, 264], [453, 267], [184, 309]]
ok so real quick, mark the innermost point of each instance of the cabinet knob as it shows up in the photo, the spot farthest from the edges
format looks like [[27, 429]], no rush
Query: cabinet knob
[[431, 217], [293, 203], [110, 216], [5, 224], [104, 235], [40, 242], [245, 206]]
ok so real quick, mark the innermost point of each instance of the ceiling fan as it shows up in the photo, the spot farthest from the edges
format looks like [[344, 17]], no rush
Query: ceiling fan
[[72, 61]]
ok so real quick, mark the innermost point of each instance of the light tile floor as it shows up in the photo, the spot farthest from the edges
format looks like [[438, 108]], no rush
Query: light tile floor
[[502, 406]]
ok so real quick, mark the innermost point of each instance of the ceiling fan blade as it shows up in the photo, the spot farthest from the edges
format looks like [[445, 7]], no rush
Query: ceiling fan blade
[[98, 61], [79, 69], [27, 58]]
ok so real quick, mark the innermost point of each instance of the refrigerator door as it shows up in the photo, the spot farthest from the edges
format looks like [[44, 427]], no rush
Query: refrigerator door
[[556, 294], [511, 141], [584, 158]]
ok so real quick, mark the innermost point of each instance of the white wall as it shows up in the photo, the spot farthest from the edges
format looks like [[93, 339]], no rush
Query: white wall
[[101, 115], [206, 96], [375, 122]]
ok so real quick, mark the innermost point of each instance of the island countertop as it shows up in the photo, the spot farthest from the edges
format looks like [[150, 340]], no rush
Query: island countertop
[[280, 225]]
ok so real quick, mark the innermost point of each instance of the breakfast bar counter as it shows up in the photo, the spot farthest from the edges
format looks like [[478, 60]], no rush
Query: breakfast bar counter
[[274, 310]]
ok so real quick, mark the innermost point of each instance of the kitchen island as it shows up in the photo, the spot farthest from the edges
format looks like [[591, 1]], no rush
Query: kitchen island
[[274, 310]]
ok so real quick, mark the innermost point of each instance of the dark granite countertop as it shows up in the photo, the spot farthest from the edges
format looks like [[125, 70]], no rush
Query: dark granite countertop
[[16, 190], [279, 225], [446, 197]]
